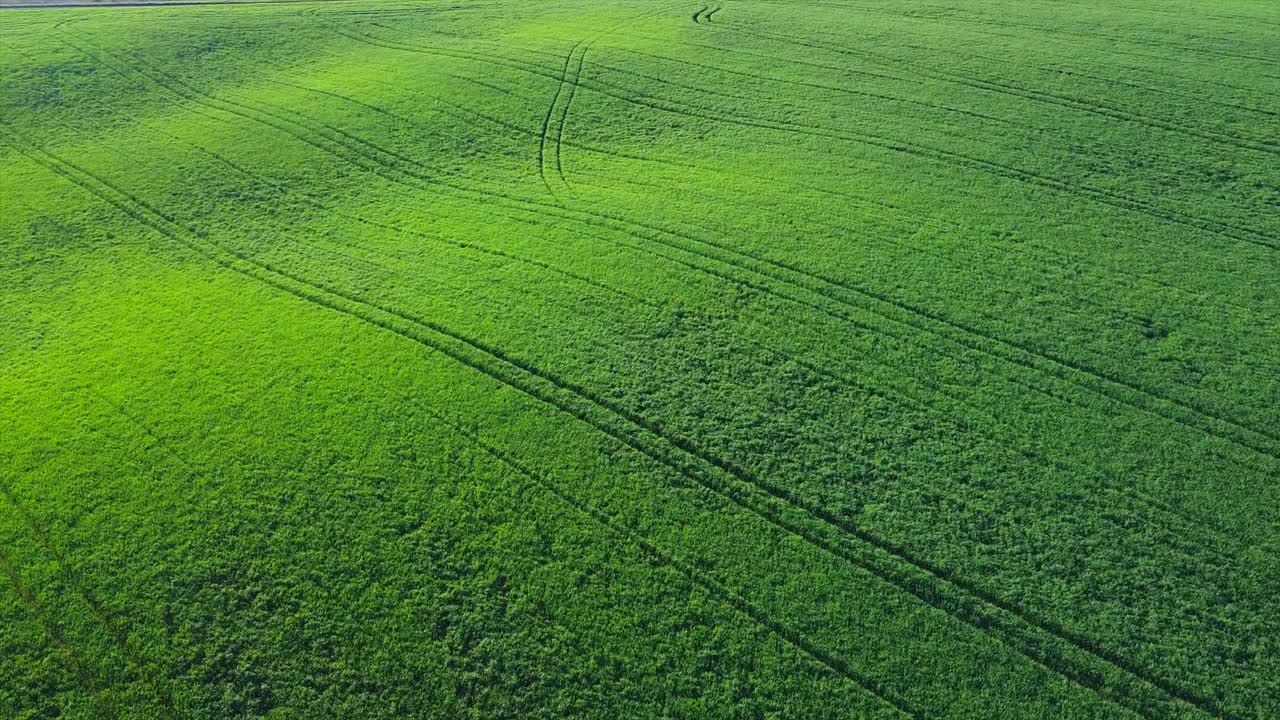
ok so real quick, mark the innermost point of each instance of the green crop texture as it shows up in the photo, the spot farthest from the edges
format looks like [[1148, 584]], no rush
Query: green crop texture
[[620, 359]]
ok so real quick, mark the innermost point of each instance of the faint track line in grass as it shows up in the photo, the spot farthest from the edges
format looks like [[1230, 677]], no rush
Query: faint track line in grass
[[716, 92], [1093, 34], [1019, 629], [830, 88], [807, 62], [104, 706], [698, 577], [994, 86], [1099, 108], [314, 202], [1062, 70], [359, 155], [499, 47], [147, 669], [1135, 280], [1072, 72], [345, 98], [454, 242], [137, 422]]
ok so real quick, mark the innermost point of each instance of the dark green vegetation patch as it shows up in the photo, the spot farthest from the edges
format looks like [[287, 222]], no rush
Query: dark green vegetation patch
[[615, 359]]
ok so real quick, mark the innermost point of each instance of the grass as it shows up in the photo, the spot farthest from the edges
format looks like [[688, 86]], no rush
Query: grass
[[623, 359]]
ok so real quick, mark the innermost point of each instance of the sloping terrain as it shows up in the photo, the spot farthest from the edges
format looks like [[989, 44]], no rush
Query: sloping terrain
[[630, 359]]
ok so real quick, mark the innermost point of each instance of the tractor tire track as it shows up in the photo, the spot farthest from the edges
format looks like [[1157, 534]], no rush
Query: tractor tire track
[[993, 86], [901, 400], [1135, 280], [1128, 39], [1244, 235], [1072, 72], [1064, 369], [907, 339], [546, 121], [403, 158], [499, 48], [1239, 434], [1038, 639], [833, 88], [573, 92], [877, 76], [1173, 166], [1151, 500], [1097, 107], [716, 589], [1055, 396], [467, 114], [564, 117], [1091, 35]]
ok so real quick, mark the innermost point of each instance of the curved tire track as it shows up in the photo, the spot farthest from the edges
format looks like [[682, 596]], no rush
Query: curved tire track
[[546, 121]]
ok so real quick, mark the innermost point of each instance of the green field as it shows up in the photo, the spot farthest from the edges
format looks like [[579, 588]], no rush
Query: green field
[[621, 359]]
